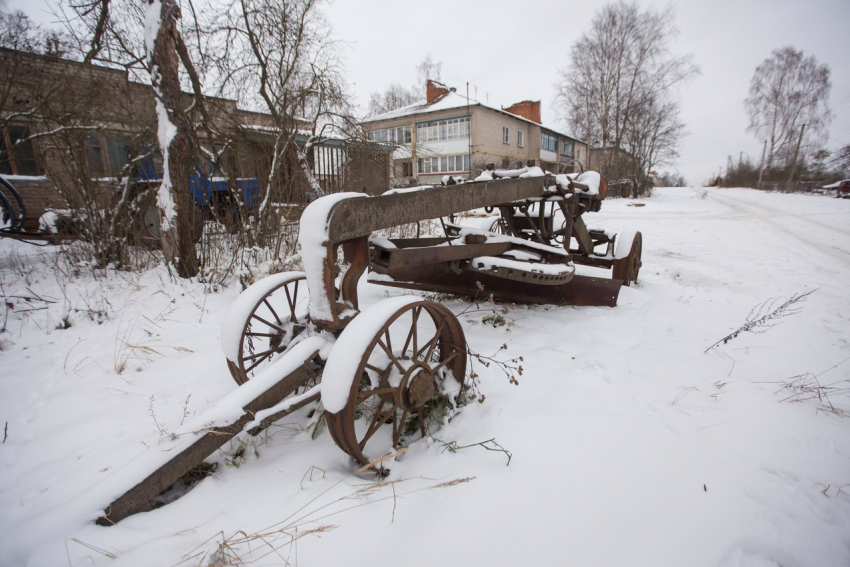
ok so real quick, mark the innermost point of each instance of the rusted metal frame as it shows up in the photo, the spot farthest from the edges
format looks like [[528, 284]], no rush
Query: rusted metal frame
[[411, 242], [417, 256], [140, 498], [568, 209], [435, 278], [582, 236], [547, 223], [566, 206], [355, 219], [525, 210], [356, 255], [594, 261], [352, 218], [507, 214]]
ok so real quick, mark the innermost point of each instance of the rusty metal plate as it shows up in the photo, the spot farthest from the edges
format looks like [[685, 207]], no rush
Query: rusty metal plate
[[580, 290]]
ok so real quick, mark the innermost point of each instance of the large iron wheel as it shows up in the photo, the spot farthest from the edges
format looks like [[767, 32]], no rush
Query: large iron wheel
[[268, 316], [410, 375], [627, 264]]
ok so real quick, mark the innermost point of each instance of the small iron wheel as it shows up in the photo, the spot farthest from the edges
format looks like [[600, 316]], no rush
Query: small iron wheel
[[274, 315], [494, 224], [627, 268], [411, 374]]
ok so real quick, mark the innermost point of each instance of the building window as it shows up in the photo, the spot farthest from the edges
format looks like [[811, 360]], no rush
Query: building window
[[444, 164], [578, 153], [506, 135], [566, 148], [398, 135], [21, 159], [452, 129], [520, 138], [548, 142], [406, 167], [106, 154]]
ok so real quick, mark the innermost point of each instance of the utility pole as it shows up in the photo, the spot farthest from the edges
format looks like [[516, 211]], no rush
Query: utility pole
[[794, 163], [761, 169]]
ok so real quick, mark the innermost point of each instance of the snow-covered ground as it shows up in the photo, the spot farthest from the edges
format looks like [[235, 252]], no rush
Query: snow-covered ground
[[630, 445]]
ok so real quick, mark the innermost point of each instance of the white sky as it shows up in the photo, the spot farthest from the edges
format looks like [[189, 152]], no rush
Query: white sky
[[512, 52]]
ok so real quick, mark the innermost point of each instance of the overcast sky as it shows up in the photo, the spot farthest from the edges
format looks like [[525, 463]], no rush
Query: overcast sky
[[513, 51], [509, 52]]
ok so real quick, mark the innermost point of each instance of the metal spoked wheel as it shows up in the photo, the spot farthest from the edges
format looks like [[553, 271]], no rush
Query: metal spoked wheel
[[268, 316], [409, 374], [496, 225], [627, 265]]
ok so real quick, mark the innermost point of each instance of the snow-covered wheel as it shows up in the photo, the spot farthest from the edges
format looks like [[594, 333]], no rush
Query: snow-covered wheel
[[627, 254], [263, 322], [396, 368]]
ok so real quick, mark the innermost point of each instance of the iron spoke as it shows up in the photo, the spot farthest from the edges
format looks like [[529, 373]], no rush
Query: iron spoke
[[375, 369], [375, 392], [250, 368], [445, 361], [377, 422], [272, 335], [397, 431], [265, 352], [410, 334], [432, 344], [389, 341], [291, 301], [269, 305], [255, 316], [392, 356]]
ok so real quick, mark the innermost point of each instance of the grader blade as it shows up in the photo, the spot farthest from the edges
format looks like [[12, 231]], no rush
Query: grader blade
[[580, 290]]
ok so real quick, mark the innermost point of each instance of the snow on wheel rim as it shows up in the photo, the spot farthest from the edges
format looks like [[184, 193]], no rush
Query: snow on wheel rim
[[627, 256], [389, 376], [263, 322]]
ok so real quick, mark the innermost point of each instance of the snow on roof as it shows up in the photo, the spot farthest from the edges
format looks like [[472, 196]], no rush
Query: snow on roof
[[449, 101]]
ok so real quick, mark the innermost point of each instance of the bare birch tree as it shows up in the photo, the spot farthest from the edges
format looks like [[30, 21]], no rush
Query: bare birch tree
[[146, 40], [276, 55], [397, 96], [621, 80], [789, 94], [175, 133]]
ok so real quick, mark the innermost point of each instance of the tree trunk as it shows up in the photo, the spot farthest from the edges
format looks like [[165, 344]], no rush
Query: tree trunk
[[177, 144], [789, 188]]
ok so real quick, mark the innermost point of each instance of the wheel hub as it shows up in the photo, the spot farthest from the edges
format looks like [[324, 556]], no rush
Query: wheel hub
[[417, 386]]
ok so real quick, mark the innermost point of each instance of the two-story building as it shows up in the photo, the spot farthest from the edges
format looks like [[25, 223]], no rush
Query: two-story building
[[450, 134]]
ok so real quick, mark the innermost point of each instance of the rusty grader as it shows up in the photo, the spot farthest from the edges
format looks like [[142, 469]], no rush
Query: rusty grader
[[383, 375]]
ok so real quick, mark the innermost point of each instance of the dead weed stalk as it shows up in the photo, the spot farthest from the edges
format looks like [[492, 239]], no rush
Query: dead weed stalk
[[765, 316]]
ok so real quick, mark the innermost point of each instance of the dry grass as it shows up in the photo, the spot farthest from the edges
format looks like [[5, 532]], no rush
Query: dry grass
[[828, 398], [280, 539]]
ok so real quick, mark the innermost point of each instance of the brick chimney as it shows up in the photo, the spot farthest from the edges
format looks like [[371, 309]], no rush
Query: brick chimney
[[528, 109], [435, 90]]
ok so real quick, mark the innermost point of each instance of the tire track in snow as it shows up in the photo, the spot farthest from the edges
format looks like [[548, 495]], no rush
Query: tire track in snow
[[786, 228]]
